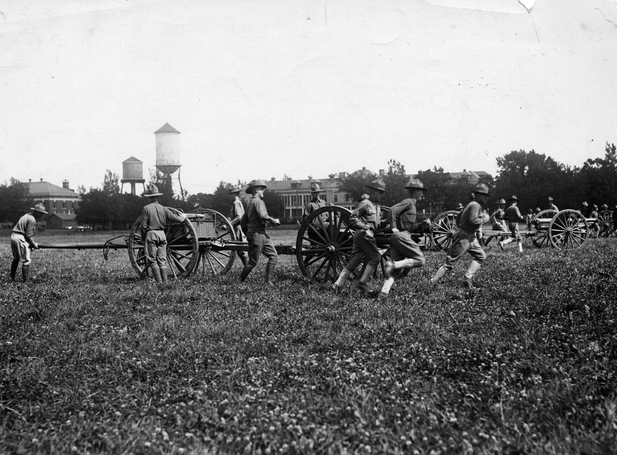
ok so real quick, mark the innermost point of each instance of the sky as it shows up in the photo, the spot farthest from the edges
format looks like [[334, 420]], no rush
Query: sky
[[285, 88]]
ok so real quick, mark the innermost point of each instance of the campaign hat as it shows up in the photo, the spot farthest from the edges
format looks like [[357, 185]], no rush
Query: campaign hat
[[152, 191], [550, 199], [234, 189], [415, 184], [514, 198], [585, 204], [377, 184], [259, 183], [315, 188], [39, 207], [502, 201], [459, 206], [481, 188]]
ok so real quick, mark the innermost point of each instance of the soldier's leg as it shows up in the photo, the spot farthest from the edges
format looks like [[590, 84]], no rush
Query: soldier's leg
[[269, 251], [460, 245], [256, 242]]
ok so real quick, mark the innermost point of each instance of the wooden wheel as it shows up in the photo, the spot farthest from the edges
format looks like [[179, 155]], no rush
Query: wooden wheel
[[324, 243], [182, 249], [444, 227], [568, 229], [605, 223], [541, 222], [216, 238]]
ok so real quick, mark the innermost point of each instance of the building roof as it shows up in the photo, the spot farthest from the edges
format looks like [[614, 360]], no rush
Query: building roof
[[43, 190], [63, 216], [301, 185], [132, 160], [167, 128]]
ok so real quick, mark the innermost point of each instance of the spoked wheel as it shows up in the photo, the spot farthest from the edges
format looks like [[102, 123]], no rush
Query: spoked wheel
[[324, 243], [605, 223], [444, 227], [217, 242], [541, 223], [568, 229], [182, 249]]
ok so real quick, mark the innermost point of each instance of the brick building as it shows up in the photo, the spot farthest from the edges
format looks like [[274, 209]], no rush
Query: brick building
[[57, 200]]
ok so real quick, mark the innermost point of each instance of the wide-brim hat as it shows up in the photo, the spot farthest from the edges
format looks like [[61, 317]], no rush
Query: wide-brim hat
[[39, 208], [256, 184], [152, 191], [459, 206], [502, 201], [378, 185], [481, 188], [415, 184], [315, 188], [234, 189], [513, 198], [550, 199]]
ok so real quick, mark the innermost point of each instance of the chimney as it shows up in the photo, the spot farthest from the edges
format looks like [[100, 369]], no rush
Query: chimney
[[65, 184], [41, 179]]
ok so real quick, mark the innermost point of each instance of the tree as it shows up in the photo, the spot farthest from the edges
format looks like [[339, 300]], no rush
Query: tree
[[354, 184], [15, 200], [438, 196], [395, 179], [599, 178], [533, 177], [110, 183]]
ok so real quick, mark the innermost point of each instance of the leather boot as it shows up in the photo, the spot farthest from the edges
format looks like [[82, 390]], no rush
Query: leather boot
[[156, 273], [14, 266], [25, 272], [164, 272], [270, 269]]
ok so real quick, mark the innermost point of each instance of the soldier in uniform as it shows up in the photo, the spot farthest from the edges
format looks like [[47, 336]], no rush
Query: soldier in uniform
[[315, 203], [255, 219], [405, 253], [365, 219], [235, 215], [551, 204], [513, 215], [154, 219], [22, 241], [465, 239], [497, 218]]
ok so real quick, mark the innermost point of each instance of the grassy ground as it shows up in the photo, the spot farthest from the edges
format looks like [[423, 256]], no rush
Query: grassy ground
[[94, 360]]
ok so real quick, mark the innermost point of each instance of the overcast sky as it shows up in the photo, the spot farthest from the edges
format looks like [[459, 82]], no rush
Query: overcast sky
[[267, 88]]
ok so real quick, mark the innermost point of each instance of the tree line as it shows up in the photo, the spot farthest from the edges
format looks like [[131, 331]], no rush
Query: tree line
[[531, 176]]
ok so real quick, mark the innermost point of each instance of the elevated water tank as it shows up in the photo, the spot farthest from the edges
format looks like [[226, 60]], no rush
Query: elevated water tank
[[167, 149], [132, 173]]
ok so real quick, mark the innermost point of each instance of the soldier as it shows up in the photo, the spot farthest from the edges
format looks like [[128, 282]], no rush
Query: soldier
[[513, 215], [595, 225], [365, 219], [497, 218], [585, 209], [465, 239], [235, 215], [551, 205], [405, 253], [255, 220], [22, 242], [154, 219], [315, 203], [529, 219]]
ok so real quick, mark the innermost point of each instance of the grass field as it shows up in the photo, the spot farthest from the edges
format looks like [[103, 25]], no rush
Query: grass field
[[93, 360]]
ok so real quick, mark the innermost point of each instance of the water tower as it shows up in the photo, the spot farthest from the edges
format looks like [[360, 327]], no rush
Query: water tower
[[168, 152], [132, 173]]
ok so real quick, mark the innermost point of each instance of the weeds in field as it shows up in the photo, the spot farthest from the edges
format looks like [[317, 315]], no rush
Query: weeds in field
[[96, 361]]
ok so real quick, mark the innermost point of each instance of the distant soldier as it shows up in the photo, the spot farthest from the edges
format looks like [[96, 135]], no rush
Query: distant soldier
[[154, 219], [513, 215], [551, 204], [22, 241], [465, 239], [529, 219], [366, 220], [315, 203], [459, 207], [255, 220], [235, 215], [498, 217], [585, 209], [405, 253]]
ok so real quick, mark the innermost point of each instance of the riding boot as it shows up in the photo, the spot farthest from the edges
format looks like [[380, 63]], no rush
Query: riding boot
[[25, 272], [270, 266], [14, 266], [164, 272], [156, 273]]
